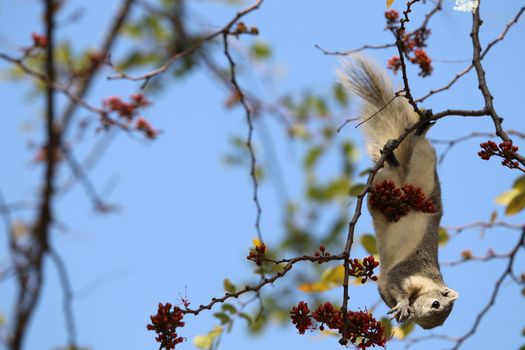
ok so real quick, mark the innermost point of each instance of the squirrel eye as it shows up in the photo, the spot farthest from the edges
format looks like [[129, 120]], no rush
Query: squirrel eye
[[435, 305]]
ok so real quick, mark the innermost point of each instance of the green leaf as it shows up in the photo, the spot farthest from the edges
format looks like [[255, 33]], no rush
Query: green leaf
[[229, 286], [260, 50], [137, 59], [321, 107], [523, 294], [365, 172], [443, 236], [312, 157], [519, 184], [247, 317], [350, 151], [340, 94], [368, 242], [387, 325], [516, 204], [229, 308], [356, 189], [224, 318], [258, 324]]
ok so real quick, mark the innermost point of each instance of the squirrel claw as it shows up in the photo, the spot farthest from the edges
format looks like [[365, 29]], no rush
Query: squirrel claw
[[400, 312]]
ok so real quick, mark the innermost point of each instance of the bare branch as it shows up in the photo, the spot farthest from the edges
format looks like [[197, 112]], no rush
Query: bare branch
[[111, 35], [480, 72], [223, 31], [484, 53], [495, 291]]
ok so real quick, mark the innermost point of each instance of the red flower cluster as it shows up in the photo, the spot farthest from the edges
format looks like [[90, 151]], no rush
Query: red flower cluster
[[301, 317], [257, 254], [39, 40], [165, 324], [144, 126], [363, 330], [394, 63], [364, 269], [425, 63], [396, 202], [392, 19], [128, 111], [505, 150], [327, 314], [413, 43]]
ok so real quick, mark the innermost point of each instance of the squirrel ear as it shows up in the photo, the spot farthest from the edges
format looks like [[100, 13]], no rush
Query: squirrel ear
[[450, 293]]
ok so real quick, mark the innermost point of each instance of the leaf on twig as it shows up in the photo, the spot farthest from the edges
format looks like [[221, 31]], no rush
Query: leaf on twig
[[206, 341]]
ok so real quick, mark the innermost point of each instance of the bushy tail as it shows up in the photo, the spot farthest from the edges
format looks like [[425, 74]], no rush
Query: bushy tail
[[371, 83]]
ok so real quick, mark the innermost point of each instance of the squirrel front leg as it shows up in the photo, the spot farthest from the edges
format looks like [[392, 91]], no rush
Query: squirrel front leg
[[401, 311]]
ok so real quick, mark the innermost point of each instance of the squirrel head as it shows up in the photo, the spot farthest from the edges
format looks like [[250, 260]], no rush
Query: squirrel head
[[432, 308]]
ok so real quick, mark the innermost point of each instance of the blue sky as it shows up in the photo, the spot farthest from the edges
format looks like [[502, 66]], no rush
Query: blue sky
[[186, 220]]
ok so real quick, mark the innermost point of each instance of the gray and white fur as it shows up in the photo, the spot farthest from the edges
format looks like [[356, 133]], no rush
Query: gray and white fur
[[410, 281]]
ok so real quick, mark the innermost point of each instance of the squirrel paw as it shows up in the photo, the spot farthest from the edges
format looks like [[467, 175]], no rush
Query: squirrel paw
[[401, 312]]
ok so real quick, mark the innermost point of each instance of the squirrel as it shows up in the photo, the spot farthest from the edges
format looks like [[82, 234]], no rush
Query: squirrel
[[410, 281]]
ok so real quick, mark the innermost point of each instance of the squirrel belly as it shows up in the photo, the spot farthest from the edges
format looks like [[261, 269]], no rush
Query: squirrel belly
[[410, 283]]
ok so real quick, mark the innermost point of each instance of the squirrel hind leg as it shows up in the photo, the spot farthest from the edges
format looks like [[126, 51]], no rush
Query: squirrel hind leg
[[422, 130], [391, 159]]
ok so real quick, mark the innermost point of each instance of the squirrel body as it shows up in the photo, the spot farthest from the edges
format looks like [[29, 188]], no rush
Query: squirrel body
[[410, 280]]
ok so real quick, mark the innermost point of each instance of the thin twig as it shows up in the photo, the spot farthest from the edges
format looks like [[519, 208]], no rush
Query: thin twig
[[67, 299], [453, 142], [79, 173], [349, 52], [249, 143]]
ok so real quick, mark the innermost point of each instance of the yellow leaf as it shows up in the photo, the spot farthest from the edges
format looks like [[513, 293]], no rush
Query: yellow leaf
[[404, 330], [506, 197], [256, 242], [334, 275], [519, 184], [389, 3], [516, 204], [316, 287], [330, 333], [206, 341], [330, 278]]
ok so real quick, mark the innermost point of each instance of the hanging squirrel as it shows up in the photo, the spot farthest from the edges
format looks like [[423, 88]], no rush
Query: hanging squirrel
[[410, 282]]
